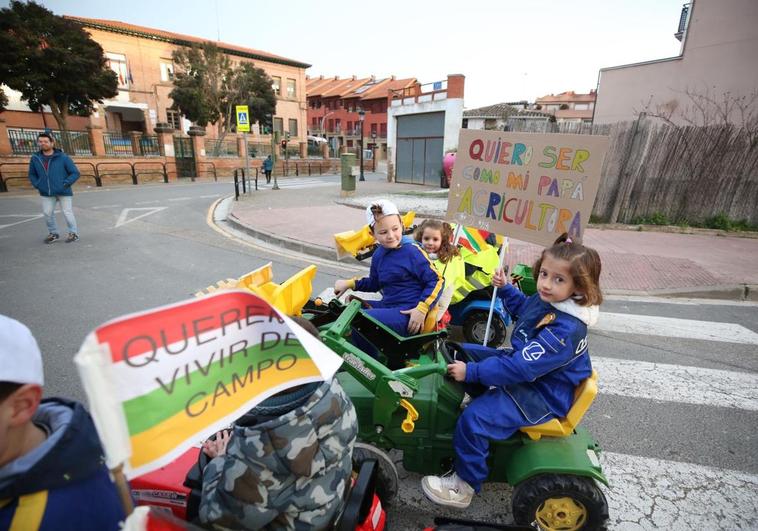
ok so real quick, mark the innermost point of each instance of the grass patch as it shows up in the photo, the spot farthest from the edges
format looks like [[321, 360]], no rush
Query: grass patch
[[719, 222]]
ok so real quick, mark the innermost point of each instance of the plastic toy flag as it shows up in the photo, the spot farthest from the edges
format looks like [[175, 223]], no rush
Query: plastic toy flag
[[161, 380], [475, 240]]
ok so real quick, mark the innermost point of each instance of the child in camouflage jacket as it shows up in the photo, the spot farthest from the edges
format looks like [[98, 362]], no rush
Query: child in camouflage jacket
[[286, 463]]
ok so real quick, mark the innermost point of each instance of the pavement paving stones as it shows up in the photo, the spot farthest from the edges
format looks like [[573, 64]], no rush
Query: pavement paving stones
[[641, 262]]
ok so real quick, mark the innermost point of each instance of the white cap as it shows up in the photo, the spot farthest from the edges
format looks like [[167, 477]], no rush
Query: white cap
[[20, 358], [388, 209]]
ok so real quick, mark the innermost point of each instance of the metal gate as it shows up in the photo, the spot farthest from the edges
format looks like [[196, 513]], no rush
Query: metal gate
[[419, 148], [185, 157]]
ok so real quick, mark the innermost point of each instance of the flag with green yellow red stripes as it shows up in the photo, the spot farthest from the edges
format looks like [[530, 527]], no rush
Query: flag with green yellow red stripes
[[159, 381]]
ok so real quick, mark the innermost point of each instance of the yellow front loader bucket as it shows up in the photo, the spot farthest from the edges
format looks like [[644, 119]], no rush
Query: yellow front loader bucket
[[288, 297], [351, 242]]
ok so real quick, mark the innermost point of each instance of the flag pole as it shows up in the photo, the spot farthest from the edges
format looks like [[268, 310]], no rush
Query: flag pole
[[123, 489], [503, 251]]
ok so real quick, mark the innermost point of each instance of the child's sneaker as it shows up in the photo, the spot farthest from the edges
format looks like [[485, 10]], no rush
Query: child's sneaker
[[449, 490], [52, 238], [72, 237]]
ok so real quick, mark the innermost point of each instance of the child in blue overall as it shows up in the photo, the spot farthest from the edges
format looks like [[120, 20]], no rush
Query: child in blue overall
[[534, 380], [409, 282]]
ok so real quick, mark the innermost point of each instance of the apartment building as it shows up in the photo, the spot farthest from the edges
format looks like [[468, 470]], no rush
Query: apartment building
[[335, 105], [568, 106], [141, 58], [715, 72]]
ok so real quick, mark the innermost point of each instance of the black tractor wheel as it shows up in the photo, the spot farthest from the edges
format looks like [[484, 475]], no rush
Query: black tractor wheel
[[387, 479], [475, 325], [559, 502]]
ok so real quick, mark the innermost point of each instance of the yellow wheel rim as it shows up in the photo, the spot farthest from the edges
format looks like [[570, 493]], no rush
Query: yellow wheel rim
[[561, 514]]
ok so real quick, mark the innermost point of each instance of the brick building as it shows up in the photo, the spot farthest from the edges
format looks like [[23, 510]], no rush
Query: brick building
[[141, 58], [333, 105], [568, 106]]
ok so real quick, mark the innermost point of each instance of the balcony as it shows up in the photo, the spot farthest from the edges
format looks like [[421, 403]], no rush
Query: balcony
[[419, 93]]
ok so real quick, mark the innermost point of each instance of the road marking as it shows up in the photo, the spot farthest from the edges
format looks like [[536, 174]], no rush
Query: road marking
[[28, 217], [677, 383], [211, 196], [123, 218], [180, 198], [104, 206], [673, 327], [148, 202]]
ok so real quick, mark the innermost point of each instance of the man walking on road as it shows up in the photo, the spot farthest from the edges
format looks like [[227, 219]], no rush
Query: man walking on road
[[268, 165], [53, 173]]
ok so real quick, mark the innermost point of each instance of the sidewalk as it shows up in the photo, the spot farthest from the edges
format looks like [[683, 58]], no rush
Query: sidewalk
[[705, 264]]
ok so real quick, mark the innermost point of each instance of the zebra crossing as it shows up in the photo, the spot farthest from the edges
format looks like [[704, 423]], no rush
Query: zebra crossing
[[293, 183], [696, 489]]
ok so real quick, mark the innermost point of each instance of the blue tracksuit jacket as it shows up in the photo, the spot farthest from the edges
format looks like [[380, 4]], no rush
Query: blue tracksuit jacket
[[407, 279], [57, 178], [528, 384], [63, 484]]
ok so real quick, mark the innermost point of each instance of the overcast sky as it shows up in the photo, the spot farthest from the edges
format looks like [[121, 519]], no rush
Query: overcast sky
[[507, 50]]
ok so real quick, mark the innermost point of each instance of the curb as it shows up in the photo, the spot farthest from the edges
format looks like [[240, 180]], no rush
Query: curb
[[732, 292], [735, 292], [318, 251]]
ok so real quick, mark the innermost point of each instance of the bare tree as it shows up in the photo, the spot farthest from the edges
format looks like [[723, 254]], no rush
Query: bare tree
[[705, 108]]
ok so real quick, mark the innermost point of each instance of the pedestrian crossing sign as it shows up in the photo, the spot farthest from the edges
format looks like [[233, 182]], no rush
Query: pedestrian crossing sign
[[243, 119]]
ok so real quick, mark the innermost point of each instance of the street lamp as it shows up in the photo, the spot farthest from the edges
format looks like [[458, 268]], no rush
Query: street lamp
[[361, 116], [375, 148]]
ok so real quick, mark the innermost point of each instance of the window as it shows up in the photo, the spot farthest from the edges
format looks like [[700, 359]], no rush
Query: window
[[581, 106], [293, 127], [383, 130], [331, 125], [373, 130], [349, 126], [167, 70], [277, 85], [117, 63], [279, 125], [291, 89], [173, 119]]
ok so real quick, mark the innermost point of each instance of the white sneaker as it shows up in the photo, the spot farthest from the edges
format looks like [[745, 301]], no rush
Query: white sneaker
[[449, 490]]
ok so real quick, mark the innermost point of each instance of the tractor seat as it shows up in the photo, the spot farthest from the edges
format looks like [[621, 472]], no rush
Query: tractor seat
[[583, 398]]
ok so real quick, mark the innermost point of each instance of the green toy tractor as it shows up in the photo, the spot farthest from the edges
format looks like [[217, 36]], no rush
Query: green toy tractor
[[406, 401]]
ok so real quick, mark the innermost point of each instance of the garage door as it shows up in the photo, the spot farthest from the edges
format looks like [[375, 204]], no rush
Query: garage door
[[419, 148]]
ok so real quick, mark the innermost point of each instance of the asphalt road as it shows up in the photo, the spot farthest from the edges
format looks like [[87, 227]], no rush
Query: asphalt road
[[141, 247], [678, 402]]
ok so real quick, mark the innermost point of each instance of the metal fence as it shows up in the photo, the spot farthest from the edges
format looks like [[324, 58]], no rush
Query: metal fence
[[292, 152], [148, 146], [24, 141], [118, 145], [259, 149], [223, 148]]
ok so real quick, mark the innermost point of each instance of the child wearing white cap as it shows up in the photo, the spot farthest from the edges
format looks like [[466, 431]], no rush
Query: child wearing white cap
[[52, 472], [409, 282]]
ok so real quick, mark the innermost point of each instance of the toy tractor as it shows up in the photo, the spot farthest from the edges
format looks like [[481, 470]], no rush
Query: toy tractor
[[406, 401]]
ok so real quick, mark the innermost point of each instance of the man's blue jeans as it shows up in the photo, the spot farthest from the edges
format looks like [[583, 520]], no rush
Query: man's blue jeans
[[48, 209]]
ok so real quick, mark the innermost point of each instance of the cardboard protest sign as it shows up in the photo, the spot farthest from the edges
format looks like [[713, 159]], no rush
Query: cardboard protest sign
[[161, 380], [532, 187]]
